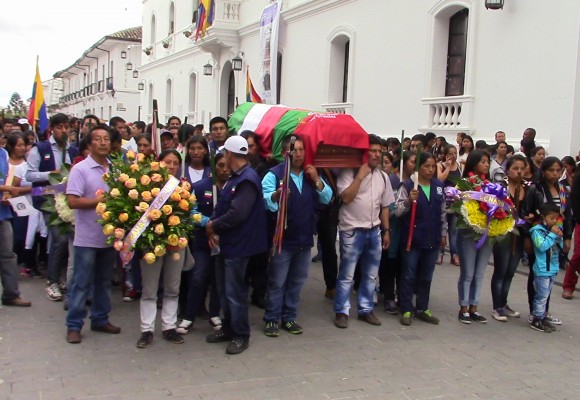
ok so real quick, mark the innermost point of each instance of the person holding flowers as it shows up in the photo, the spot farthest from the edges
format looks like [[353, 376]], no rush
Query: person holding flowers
[[429, 235], [94, 258], [169, 262]]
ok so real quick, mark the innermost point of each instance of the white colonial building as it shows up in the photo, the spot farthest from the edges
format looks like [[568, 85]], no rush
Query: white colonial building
[[104, 80], [420, 65]]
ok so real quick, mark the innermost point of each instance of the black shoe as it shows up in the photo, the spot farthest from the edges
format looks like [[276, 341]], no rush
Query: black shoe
[[145, 340], [259, 302], [477, 317], [171, 336], [237, 345], [292, 327], [218, 337], [271, 329], [464, 317], [538, 325]]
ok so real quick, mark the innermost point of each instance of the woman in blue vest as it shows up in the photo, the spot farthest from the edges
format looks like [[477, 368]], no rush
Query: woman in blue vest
[[197, 159], [430, 233]]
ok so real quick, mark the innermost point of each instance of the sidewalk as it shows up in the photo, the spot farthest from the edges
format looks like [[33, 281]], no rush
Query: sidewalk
[[450, 361]]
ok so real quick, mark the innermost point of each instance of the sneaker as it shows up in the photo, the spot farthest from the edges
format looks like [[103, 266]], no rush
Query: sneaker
[[131, 295], [464, 317], [184, 327], [568, 294], [237, 345], [145, 340], [218, 337], [62, 287], [499, 315], [537, 325], [215, 323], [548, 326], [477, 317], [341, 321], [511, 313], [426, 316], [172, 336], [553, 320], [53, 292], [391, 307], [406, 319], [292, 327], [369, 318], [271, 329], [530, 319]]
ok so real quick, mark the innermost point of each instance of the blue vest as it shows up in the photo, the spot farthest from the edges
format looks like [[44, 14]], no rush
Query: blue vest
[[5, 211], [206, 173], [249, 237], [203, 192], [301, 216], [428, 224]]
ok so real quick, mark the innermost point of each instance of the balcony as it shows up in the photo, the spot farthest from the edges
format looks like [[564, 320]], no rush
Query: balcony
[[223, 32], [338, 108], [449, 115]]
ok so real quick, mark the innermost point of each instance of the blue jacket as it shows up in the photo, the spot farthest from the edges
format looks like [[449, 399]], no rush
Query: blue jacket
[[203, 192], [546, 250], [5, 211]]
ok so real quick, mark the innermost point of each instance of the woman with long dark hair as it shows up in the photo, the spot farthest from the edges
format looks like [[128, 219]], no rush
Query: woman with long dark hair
[[197, 159], [547, 190], [473, 260], [466, 148]]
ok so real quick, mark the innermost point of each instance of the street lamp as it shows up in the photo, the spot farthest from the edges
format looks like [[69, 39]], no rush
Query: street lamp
[[123, 54], [135, 74], [141, 85], [238, 61], [494, 4], [208, 68], [129, 66]]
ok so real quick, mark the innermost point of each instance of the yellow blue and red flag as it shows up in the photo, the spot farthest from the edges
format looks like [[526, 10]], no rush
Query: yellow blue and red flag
[[251, 94], [37, 111], [205, 16]]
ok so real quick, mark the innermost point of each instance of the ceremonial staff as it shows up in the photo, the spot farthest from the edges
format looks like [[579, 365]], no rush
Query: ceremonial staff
[[415, 179], [182, 140], [283, 201]]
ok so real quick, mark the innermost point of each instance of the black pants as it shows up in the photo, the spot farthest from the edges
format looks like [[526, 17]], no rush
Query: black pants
[[390, 275], [256, 274], [327, 229]]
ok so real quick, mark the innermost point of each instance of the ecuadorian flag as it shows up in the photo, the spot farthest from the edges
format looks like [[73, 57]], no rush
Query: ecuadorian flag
[[251, 94], [37, 111], [205, 16]]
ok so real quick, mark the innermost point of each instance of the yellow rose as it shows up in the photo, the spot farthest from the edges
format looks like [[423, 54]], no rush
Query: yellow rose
[[118, 245], [134, 167], [175, 196], [105, 177], [182, 242], [147, 196], [108, 229], [178, 189], [119, 233], [123, 178], [154, 166], [149, 257], [106, 215], [159, 229], [131, 183], [133, 194], [173, 220], [192, 198], [162, 164], [123, 217], [185, 194], [155, 191], [185, 185], [167, 209], [157, 178], [184, 205], [143, 206], [196, 218], [173, 240], [159, 251], [154, 215], [101, 208], [130, 155], [140, 157], [115, 192], [145, 180]]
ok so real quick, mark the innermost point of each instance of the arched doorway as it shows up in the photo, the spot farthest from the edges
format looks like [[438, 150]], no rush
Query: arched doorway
[[227, 90]]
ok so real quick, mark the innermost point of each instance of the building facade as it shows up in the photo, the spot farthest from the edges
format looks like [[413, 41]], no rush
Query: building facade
[[444, 66], [104, 80]]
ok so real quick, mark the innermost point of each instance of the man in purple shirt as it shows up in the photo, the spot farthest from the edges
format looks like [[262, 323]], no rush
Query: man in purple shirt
[[93, 257]]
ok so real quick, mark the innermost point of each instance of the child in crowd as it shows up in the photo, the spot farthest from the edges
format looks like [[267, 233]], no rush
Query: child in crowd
[[547, 241]]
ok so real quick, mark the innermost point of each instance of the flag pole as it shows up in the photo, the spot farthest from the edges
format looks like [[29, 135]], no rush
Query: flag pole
[[182, 139], [401, 163]]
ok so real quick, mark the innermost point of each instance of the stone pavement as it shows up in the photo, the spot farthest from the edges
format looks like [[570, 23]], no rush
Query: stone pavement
[[450, 361]]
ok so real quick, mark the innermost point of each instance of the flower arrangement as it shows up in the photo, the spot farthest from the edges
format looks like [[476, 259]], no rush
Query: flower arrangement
[[147, 50], [146, 208], [60, 214], [483, 207], [166, 42]]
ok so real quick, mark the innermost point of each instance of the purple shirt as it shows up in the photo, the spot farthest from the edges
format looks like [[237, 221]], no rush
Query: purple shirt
[[84, 180]]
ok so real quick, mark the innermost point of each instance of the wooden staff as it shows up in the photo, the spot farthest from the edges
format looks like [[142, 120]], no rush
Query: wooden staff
[[414, 205], [281, 218]]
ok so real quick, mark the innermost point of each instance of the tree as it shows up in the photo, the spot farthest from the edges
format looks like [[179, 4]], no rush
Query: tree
[[16, 106]]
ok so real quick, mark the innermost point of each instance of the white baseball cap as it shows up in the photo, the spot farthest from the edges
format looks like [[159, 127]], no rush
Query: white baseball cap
[[22, 121], [236, 144]]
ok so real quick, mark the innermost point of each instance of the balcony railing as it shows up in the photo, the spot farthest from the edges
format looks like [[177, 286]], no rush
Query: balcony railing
[[449, 113], [110, 83], [338, 108], [101, 86]]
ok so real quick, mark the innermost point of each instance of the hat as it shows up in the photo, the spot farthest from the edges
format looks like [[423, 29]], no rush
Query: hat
[[236, 144], [166, 133], [22, 121]]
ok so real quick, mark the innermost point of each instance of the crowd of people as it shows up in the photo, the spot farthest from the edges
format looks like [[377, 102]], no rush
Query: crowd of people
[[368, 208]]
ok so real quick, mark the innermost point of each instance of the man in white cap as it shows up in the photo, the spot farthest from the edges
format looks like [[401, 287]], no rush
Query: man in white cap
[[238, 230]]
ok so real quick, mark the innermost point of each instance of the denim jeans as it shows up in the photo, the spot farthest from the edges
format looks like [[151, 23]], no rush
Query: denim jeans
[[452, 232], [506, 257], [363, 244], [472, 270], [171, 270], [57, 252], [92, 275], [416, 276], [287, 274], [230, 276], [9, 271], [543, 286], [202, 274]]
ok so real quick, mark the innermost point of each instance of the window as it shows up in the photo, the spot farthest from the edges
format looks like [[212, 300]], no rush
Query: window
[[150, 97], [153, 30], [279, 77], [195, 4], [171, 18], [192, 91], [339, 68], [231, 93], [168, 97], [456, 54]]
